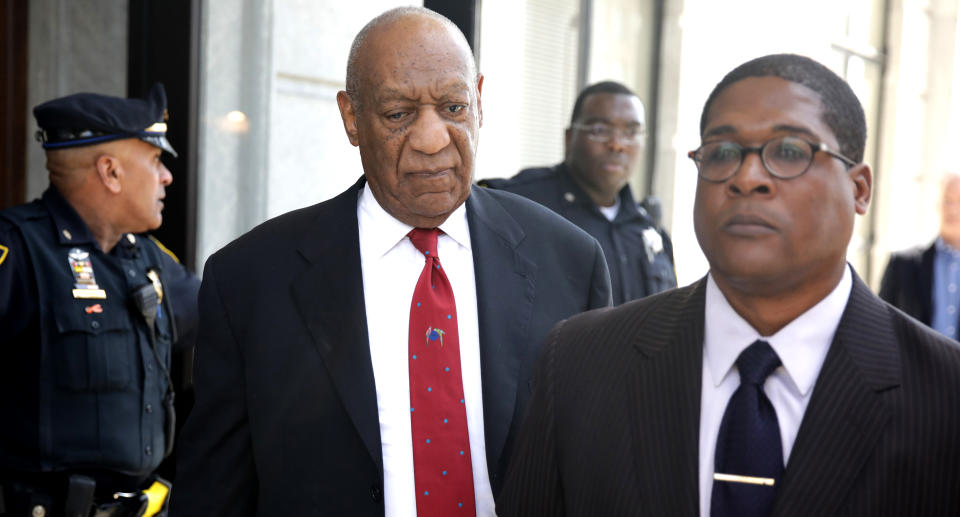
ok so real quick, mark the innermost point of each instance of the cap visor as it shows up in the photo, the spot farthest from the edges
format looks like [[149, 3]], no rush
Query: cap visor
[[161, 142]]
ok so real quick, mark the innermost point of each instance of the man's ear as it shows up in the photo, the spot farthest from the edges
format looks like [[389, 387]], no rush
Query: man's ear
[[109, 172], [862, 179], [348, 113], [479, 103]]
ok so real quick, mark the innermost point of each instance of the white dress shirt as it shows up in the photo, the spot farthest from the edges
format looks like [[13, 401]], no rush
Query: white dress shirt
[[802, 346], [391, 266]]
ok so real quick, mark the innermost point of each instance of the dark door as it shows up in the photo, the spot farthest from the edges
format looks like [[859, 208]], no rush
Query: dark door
[[13, 101], [164, 47]]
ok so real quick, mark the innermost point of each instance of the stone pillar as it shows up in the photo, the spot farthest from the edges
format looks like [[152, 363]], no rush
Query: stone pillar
[[75, 46]]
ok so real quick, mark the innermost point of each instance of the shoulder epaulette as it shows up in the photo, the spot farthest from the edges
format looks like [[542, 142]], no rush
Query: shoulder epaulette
[[521, 178], [164, 248], [21, 213], [533, 174]]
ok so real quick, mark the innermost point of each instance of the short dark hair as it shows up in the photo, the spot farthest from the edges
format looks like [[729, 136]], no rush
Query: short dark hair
[[602, 87], [842, 111]]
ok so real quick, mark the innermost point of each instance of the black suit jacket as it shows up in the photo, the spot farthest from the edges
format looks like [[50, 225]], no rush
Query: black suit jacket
[[908, 282], [613, 423], [286, 421]]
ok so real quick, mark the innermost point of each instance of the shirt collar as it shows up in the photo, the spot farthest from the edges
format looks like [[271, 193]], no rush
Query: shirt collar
[[70, 227], [610, 212], [382, 232], [802, 345], [943, 247]]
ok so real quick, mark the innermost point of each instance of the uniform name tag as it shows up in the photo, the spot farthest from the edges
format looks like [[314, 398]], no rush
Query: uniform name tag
[[90, 294]]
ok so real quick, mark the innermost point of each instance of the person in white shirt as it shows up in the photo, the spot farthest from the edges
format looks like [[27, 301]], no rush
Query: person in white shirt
[[776, 385], [306, 364]]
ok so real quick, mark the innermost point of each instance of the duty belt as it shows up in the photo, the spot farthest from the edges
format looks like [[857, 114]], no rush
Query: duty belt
[[23, 500]]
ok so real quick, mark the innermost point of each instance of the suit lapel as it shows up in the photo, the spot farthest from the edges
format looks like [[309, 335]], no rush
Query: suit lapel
[[665, 405], [329, 297], [846, 415], [506, 281]]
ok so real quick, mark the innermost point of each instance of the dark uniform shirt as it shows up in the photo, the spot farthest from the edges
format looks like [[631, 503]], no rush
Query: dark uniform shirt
[[82, 381], [639, 255]]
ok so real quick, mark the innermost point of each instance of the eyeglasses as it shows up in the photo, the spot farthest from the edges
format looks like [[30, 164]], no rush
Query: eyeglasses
[[603, 133], [785, 157]]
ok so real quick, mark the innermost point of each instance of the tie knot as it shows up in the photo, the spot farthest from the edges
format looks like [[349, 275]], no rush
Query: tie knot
[[757, 362], [425, 240]]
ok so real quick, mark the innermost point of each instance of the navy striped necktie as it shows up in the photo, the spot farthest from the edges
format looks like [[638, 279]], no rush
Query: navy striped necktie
[[749, 458]]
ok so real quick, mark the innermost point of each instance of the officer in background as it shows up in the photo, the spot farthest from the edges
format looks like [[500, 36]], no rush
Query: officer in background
[[90, 310], [602, 147]]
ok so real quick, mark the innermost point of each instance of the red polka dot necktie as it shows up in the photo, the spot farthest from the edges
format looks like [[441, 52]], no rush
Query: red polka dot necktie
[[443, 472]]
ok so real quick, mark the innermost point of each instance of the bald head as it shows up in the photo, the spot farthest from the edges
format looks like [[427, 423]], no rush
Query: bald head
[[69, 167], [384, 33], [115, 187], [412, 107]]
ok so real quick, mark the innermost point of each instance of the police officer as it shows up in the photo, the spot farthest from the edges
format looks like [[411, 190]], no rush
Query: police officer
[[90, 310], [603, 144]]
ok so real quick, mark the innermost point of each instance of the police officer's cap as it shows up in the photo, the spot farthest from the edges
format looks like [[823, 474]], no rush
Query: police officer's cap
[[90, 118]]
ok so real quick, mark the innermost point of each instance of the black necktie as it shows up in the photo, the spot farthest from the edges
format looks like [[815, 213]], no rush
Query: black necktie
[[749, 459]]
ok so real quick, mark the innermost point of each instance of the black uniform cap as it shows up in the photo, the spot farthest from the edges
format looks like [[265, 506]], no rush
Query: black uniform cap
[[90, 118]]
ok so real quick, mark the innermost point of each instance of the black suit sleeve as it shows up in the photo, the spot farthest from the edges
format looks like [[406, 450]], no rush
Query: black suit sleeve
[[216, 475], [601, 292], [532, 486], [889, 285]]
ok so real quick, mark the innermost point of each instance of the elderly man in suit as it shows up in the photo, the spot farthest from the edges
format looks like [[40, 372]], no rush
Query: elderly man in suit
[[776, 385], [371, 354], [923, 282]]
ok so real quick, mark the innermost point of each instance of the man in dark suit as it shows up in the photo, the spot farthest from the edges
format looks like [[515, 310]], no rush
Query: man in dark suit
[[777, 385], [304, 405], [925, 282]]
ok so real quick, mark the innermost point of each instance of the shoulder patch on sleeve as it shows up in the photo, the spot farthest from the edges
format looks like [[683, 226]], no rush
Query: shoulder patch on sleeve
[[163, 248], [3, 253]]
